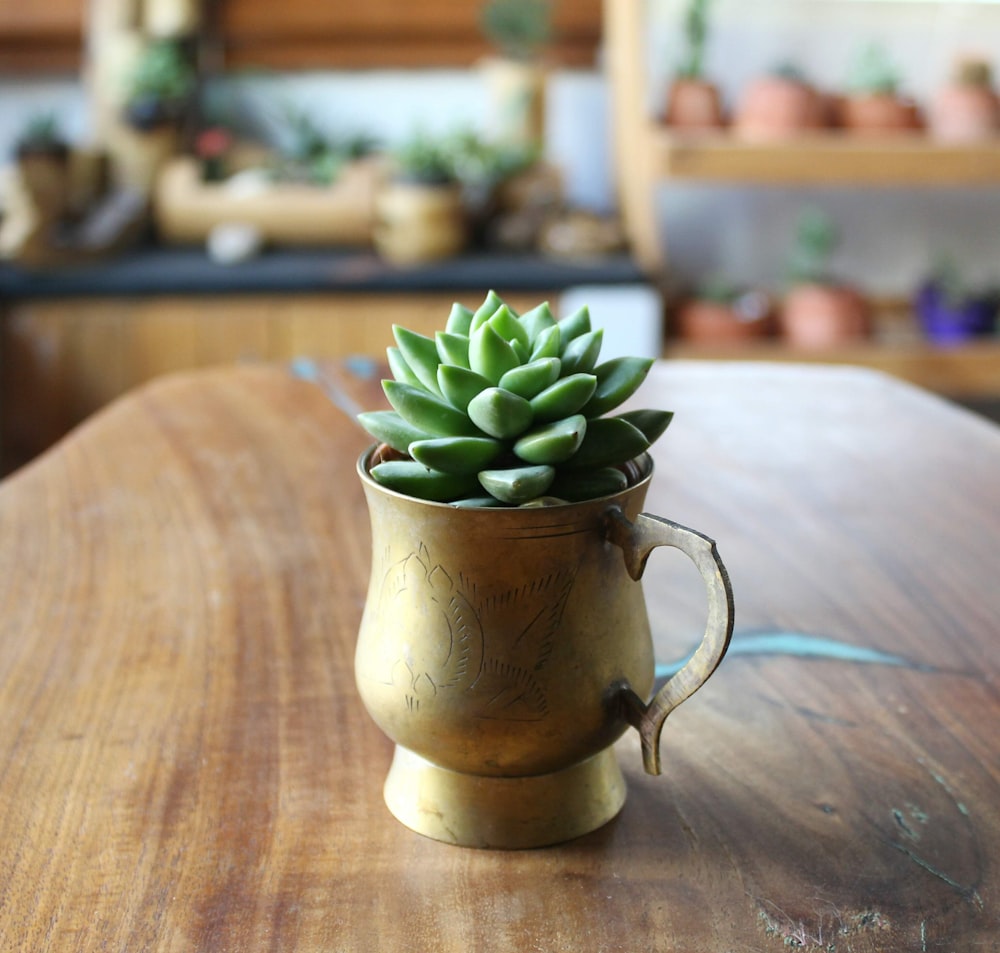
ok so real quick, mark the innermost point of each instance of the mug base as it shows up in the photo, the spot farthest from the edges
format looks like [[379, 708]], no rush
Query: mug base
[[506, 813]]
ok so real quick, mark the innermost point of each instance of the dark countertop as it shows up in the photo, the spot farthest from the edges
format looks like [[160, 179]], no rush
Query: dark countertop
[[188, 270]]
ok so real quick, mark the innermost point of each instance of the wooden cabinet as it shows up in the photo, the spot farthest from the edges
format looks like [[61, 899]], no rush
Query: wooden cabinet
[[64, 359], [298, 34], [394, 33], [40, 36]]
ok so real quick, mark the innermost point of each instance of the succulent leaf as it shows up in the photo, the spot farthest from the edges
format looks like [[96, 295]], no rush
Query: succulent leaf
[[500, 413], [461, 455], [388, 427], [427, 412], [459, 385], [420, 354], [414, 479], [552, 443], [523, 353], [575, 324], [576, 485], [459, 320], [580, 355], [617, 380], [490, 355], [482, 501], [517, 485], [506, 324], [652, 423], [538, 319], [530, 379], [400, 369], [566, 396], [548, 343], [452, 348], [492, 303], [608, 441]]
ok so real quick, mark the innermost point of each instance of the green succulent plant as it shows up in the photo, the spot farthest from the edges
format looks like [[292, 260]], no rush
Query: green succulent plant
[[873, 72], [425, 160], [519, 28], [815, 240], [501, 409], [696, 37]]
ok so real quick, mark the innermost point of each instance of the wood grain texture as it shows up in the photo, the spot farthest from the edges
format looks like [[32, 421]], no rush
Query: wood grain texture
[[970, 369], [827, 158], [185, 765], [386, 33], [61, 360], [302, 34]]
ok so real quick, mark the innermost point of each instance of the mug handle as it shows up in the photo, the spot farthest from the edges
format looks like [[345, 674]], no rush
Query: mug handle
[[637, 540]]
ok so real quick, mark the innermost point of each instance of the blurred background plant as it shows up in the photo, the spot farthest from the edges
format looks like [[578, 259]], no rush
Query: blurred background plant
[[160, 87], [519, 29]]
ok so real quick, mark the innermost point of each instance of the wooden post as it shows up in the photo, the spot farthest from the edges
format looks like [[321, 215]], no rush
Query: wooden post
[[634, 161]]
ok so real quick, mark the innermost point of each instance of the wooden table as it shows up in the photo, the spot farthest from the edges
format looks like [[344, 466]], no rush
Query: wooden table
[[185, 764]]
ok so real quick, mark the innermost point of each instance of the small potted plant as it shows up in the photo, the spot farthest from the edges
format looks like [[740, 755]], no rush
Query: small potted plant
[[874, 103], [949, 311], [419, 209], [504, 645], [693, 101], [818, 311], [967, 109], [779, 105], [719, 312], [43, 164], [484, 169], [156, 102], [515, 78], [160, 87]]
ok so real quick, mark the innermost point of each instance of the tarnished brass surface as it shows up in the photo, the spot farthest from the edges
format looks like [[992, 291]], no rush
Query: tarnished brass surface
[[515, 644], [477, 811]]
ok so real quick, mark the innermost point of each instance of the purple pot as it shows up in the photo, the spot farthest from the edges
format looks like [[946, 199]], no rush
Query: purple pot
[[949, 322]]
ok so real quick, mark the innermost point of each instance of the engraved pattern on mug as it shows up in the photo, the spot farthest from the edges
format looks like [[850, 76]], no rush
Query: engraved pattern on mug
[[492, 648]]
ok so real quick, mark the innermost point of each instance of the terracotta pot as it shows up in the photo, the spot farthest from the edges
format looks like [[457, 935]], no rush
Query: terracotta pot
[[880, 113], [748, 318], [814, 316], [963, 112], [416, 222], [777, 107], [694, 104]]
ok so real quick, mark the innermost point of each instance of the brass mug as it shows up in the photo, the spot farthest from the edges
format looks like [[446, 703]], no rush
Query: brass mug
[[505, 650]]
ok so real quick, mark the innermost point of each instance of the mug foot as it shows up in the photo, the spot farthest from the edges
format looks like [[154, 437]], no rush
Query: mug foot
[[509, 813]]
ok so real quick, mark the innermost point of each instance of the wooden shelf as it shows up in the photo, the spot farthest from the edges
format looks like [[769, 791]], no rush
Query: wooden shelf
[[969, 370], [964, 371], [831, 158]]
